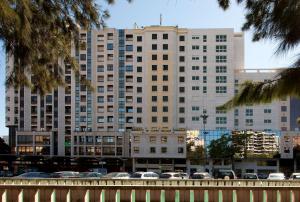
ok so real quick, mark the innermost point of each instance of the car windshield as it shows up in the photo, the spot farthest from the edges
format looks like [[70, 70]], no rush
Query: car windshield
[[249, 176], [198, 176], [276, 176], [136, 175]]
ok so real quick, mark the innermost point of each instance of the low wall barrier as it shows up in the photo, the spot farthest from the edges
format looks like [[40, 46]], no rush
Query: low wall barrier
[[104, 190]]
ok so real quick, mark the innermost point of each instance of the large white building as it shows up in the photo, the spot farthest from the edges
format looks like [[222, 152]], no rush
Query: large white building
[[156, 78]]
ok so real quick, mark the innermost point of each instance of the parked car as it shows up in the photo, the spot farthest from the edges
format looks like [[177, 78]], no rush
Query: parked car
[[117, 175], [66, 174], [34, 175], [262, 176], [90, 175], [276, 176], [145, 175], [184, 175], [201, 175], [250, 176], [222, 174], [295, 176], [171, 175]]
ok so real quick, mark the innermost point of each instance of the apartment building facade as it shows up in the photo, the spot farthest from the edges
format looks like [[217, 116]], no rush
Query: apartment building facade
[[156, 78]]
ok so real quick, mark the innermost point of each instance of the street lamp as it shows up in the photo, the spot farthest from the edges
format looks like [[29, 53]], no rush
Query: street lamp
[[204, 117]]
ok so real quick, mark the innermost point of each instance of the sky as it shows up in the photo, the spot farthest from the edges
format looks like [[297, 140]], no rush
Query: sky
[[184, 13]]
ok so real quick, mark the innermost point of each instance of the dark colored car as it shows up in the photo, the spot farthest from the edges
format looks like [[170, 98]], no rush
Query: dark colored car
[[203, 175], [222, 174], [250, 176], [262, 176]]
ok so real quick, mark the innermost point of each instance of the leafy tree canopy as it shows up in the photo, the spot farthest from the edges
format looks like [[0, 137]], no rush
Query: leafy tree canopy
[[278, 20], [39, 35]]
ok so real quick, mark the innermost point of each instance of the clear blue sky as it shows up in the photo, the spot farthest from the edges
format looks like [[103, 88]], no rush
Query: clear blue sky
[[184, 13]]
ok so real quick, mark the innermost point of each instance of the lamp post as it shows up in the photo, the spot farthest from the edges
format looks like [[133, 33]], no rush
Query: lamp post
[[204, 117]]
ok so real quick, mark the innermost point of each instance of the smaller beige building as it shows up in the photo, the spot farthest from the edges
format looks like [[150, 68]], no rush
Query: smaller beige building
[[158, 150]]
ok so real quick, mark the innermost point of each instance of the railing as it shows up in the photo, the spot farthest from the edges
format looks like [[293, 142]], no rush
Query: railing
[[88, 190]]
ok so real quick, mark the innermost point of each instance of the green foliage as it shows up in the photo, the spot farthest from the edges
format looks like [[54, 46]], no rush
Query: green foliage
[[221, 148], [39, 35], [278, 20], [195, 153]]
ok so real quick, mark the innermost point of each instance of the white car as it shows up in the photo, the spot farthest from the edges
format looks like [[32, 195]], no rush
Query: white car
[[171, 175], [67, 174], [295, 176], [145, 175], [276, 176], [117, 175]]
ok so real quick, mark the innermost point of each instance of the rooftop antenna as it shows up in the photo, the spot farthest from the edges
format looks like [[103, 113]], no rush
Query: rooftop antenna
[[160, 19]]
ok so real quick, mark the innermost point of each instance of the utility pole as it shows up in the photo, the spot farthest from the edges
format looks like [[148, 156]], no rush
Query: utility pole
[[204, 117]]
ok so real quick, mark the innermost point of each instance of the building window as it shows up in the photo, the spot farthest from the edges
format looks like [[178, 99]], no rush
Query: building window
[[110, 46], [165, 119], [195, 58], [181, 38], [154, 57], [152, 139], [180, 140], [283, 108], [284, 119], [139, 79], [195, 87], [195, 37], [152, 150], [221, 120], [139, 120], [249, 122], [204, 70], [267, 121], [139, 38], [195, 47], [181, 89], [249, 112], [165, 47], [165, 88], [181, 79], [139, 99], [195, 118], [181, 48], [154, 88], [165, 57], [181, 99], [154, 109], [165, 98], [165, 36], [136, 150], [139, 69], [139, 59], [220, 111], [221, 38], [139, 109], [267, 111], [154, 46], [195, 108], [204, 89], [181, 69], [181, 110], [221, 58], [221, 89], [154, 98], [181, 120], [136, 139], [154, 67], [164, 139], [204, 49], [221, 69], [195, 78], [181, 59], [195, 68], [221, 79], [165, 67], [220, 49], [204, 38], [165, 109], [164, 150], [139, 89], [204, 79], [139, 49], [204, 59], [180, 150], [154, 77], [154, 36]]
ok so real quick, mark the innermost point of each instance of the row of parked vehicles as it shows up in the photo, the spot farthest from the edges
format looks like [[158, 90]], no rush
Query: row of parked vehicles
[[220, 174]]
